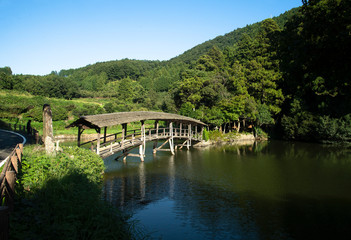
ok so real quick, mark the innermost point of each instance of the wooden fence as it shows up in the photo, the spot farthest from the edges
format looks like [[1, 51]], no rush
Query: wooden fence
[[8, 178]]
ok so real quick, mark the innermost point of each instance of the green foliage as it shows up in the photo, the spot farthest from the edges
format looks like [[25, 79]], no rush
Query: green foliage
[[215, 135], [315, 52], [263, 115], [6, 78], [60, 199], [299, 127], [260, 133], [187, 109], [38, 167], [292, 70], [205, 135], [334, 129], [29, 107]]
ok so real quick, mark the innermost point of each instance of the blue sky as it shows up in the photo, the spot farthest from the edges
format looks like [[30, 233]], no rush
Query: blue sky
[[40, 36]]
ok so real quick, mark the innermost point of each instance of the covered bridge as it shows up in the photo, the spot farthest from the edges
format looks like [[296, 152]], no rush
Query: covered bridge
[[177, 126]]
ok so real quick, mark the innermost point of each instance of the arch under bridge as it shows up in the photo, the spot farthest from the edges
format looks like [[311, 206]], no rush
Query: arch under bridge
[[121, 143]]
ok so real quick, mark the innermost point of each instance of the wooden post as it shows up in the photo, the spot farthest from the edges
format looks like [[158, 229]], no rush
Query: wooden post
[[98, 140], [11, 180], [156, 126], [142, 145], [19, 153], [105, 130], [124, 133], [189, 137], [180, 129], [48, 136], [202, 133], [80, 131], [14, 162], [171, 142], [155, 142]]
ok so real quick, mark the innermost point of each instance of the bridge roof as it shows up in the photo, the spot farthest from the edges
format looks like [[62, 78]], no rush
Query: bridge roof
[[112, 119]]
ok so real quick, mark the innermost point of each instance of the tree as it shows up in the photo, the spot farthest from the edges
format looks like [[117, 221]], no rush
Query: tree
[[263, 116], [316, 54], [6, 79], [255, 67]]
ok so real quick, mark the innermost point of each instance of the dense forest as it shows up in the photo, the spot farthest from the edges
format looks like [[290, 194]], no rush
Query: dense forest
[[288, 73]]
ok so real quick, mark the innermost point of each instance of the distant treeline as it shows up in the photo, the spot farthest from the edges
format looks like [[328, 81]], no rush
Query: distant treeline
[[291, 72]]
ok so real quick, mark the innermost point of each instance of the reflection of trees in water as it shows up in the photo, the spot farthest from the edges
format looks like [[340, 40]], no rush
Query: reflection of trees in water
[[192, 181], [329, 154], [241, 149]]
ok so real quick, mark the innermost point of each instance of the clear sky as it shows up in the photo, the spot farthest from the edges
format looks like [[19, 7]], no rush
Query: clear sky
[[40, 36]]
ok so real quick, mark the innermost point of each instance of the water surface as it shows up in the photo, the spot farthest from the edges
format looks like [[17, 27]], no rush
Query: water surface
[[269, 190]]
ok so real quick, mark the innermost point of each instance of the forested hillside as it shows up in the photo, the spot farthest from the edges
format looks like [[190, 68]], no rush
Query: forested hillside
[[229, 39], [291, 72]]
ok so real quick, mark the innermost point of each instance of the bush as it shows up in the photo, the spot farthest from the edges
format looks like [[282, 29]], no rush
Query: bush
[[301, 126], [60, 198], [205, 135], [215, 135], [334, 129], [260, 133]]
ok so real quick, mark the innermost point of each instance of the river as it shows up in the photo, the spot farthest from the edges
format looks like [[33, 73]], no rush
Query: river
[[264, 190]]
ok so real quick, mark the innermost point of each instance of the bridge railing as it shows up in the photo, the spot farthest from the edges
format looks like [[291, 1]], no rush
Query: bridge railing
[[8, 178], [150, 134]]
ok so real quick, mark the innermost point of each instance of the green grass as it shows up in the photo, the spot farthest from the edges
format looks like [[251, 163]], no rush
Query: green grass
[[216, 135], [60, 198], [18, 108]]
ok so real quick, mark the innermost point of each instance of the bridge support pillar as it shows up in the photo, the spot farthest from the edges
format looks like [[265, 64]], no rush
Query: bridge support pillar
[[171, 139], [156, 141], [98, 130], [80, 131], [105, 131], [143, 142], [189, 137]]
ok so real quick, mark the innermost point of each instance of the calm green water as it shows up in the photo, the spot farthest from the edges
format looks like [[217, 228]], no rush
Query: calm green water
[[271, 190]]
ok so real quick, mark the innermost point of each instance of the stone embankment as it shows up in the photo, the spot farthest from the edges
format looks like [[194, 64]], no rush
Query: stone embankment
[[241, 139]]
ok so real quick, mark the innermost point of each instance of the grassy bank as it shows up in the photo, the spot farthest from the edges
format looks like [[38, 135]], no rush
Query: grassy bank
[[60, 198]]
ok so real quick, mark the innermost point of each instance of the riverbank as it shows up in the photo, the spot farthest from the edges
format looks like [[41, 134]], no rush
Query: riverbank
[[217, 138], [60, 198]]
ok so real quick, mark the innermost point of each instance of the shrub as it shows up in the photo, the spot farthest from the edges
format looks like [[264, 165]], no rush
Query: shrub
[[215, 135], [205, 135], [60, 198]]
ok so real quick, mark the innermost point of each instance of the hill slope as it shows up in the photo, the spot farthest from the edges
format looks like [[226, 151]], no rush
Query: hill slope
[[119, 69], [229, 39]]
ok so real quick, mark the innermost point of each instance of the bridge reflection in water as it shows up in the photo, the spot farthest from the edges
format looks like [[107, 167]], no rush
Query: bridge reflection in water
[[168, 189], [265, 190], [121, 143]]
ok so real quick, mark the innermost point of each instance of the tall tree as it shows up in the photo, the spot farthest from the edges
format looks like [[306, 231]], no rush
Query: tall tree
[[316, 55]]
